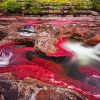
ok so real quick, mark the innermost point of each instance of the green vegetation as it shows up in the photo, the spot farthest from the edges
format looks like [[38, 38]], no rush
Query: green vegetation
[[35, 6], [56, 1], [83, 4], [27, 6], [96, 4], [11, 6], [31, 6]]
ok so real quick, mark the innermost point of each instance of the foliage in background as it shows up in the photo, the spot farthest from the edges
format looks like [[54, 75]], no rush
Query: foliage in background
[[35, 6], [82, 4], [27, 6], [56, 1], [79, 4], [11, 6], [96, 4], [31, 6]]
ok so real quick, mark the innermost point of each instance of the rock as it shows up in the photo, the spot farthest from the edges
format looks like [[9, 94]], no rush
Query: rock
[[94, 13], [93, 40], [2, 34], [14, 36], [31, 89], [45, 39], [44, 36]]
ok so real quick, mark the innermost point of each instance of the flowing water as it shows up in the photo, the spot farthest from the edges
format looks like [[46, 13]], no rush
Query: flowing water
[[74, 65]]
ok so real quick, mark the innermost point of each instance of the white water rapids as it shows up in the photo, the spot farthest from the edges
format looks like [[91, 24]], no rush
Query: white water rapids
[[83, 55], [5, 58]]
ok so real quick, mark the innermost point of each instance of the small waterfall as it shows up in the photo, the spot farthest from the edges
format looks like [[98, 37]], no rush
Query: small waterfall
[[83, 55], [5, 58]]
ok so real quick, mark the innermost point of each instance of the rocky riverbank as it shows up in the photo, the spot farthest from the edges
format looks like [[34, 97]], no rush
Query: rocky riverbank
[[85, 29], [39, 75]]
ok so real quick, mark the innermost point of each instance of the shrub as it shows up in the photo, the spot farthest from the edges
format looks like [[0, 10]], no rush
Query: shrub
[[60, 1], [36, 8], [31, 6], [11, 6], [82, 4], [96, 4]]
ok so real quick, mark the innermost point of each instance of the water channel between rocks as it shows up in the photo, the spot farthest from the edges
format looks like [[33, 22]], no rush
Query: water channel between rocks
[[64, 53]]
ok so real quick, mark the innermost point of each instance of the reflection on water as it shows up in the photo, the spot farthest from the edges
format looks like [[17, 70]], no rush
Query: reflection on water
[[92, 80]]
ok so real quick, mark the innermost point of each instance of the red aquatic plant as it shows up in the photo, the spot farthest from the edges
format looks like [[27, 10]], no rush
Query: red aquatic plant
[[46, 70]]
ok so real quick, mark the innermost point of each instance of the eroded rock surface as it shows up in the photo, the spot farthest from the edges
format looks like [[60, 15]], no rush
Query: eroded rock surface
[[46, 33], [44, 37], [31, 89]]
